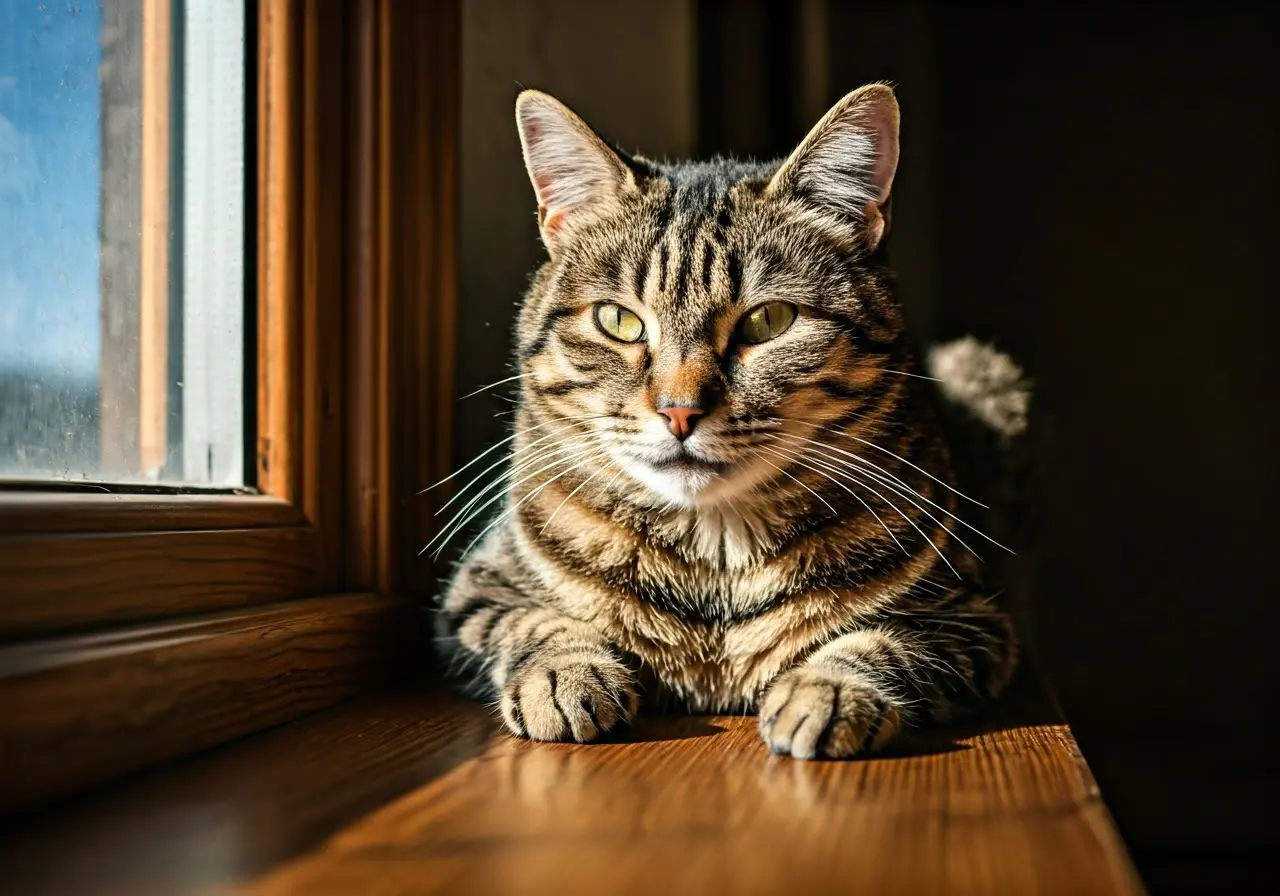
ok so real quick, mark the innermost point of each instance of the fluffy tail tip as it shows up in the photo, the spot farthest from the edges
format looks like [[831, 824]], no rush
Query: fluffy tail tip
[[985, 382]]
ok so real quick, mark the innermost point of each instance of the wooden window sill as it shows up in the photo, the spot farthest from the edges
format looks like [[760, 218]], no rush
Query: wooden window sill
[[83, 709], [420, 793]]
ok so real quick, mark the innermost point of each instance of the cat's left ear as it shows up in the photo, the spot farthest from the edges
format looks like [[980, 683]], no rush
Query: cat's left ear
[[845, 166], [576, 175]]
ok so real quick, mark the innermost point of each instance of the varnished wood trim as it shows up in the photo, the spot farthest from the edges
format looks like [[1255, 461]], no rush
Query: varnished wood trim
[[323, 132], [301, 289], [278, 461], [431, 122], [73, 582], [31, 512], [79, 711], [401, 321], [367, 386]]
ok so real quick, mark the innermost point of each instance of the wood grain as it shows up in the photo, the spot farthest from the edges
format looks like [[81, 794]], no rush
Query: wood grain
[[279, 459], [78, 711], [234, 813], [301, 265], [698, 807], [32, 512], [421, 794], [368, 346], [406, 109], [321, 73], [427, 135], [59, 583]]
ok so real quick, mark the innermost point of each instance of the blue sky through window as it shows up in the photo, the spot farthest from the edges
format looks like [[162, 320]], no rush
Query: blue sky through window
[[49, 186]]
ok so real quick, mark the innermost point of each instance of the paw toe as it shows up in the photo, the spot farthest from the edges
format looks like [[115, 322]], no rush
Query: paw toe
[[809, 713], [569, 698]]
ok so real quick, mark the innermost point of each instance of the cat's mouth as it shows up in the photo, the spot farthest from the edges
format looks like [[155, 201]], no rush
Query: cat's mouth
[[688, 463], [681, 476]]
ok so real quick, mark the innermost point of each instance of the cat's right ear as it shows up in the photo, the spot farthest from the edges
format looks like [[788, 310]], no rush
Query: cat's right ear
[[845, 166], [575, 174]]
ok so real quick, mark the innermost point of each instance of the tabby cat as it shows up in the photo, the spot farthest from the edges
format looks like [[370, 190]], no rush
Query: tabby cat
[[728, 489]]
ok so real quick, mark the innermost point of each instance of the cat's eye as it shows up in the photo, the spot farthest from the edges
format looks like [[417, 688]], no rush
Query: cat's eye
[[619, 323], [767, 322]]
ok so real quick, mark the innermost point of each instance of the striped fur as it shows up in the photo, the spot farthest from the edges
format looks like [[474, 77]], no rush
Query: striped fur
[[800, 554]]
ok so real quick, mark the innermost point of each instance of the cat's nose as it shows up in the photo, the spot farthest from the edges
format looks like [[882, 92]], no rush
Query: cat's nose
[[681, 419]]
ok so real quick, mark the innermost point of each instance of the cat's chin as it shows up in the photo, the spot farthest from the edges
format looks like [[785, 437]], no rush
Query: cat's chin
[[693, 485]]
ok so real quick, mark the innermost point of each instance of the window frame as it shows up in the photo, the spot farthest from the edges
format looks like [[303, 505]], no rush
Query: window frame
[[356, 123], [298, 159]]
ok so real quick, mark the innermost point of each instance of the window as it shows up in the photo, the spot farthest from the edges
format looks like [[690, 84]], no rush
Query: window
[[288, 219], [122, 269]]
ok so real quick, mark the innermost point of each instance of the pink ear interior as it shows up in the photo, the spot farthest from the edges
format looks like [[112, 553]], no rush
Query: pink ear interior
[[571, 169]]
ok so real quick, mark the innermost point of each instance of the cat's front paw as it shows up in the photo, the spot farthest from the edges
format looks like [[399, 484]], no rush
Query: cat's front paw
[[569, 697], [811, 712]]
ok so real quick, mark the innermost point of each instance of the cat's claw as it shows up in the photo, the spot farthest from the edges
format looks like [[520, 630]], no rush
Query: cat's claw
[[810, 713], [569, 697]]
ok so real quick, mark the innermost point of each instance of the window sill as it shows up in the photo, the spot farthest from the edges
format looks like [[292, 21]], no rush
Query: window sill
[[421, 793], [45, 512], [84, 709]]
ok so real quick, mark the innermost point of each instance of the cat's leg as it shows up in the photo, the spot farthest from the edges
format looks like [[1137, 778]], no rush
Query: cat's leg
[[556, 678], [918, 664]]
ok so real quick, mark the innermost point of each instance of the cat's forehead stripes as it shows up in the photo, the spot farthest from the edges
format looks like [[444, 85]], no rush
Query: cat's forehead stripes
[[686, 233]]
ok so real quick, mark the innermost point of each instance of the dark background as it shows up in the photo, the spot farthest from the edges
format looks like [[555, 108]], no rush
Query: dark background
[[1093, 188]]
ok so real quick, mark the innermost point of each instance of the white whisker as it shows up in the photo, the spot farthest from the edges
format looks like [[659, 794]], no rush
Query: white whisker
[[839, 472], [537, 491], [509, 456], [900, 513], [796, 460], [891, 480], [553, 451], [569, 496], [801, 484], [919, 376], [509, 379], [817, 425], [497, 445]]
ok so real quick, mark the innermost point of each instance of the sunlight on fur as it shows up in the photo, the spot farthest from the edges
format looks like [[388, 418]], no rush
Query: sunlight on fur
[[727, 487]]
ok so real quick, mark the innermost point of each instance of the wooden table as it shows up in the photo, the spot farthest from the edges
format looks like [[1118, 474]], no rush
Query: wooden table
[[422, 794]]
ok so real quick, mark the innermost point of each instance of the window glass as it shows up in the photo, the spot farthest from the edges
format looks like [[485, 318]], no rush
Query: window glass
[[122, 234]]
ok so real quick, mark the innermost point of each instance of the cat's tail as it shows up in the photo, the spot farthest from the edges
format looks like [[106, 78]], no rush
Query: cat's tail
[[985, 388], [985, 401]]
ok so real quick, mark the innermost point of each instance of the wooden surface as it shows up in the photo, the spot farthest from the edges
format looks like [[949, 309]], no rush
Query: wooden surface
[[421, 794], [405, 113], [31, 512], [278, 462], [61, 583], [319, 76], [369, 346], [81, 710], [301, 266]]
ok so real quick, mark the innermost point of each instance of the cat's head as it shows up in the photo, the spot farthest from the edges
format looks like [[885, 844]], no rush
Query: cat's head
[[694, 317]]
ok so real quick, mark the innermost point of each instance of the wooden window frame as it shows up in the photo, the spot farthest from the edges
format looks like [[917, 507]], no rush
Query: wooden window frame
[[157, 623]]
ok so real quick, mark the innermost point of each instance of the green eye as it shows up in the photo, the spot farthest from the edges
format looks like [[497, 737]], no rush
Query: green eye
[[767, 322], [619, 323]]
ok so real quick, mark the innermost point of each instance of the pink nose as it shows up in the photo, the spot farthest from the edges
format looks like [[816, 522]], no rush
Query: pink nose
[[681, 419]]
